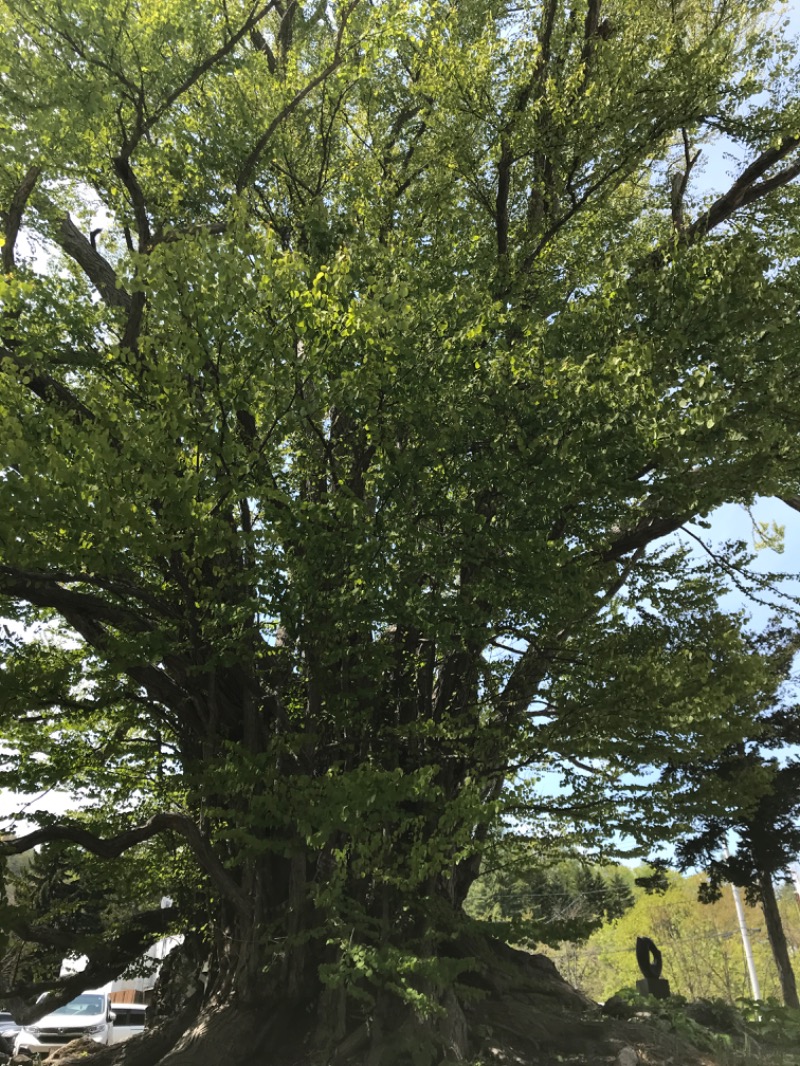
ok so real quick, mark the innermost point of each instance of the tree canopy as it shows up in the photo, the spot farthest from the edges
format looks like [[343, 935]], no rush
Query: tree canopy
[[355, 357]]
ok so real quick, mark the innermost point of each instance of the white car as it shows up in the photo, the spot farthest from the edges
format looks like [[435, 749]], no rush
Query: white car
[[129, 1020], [89, 1014]]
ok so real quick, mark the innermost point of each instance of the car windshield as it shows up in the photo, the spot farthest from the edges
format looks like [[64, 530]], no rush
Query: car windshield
[[86, 1003]]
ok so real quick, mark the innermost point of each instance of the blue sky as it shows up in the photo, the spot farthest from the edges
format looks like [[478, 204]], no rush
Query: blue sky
[[733, 522]]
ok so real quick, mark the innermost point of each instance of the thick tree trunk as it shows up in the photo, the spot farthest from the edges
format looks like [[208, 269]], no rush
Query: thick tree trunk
[[777, 941], [508, 1006]]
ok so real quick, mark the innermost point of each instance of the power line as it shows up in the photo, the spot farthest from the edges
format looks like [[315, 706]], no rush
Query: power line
[[592, 954], [527, 897]]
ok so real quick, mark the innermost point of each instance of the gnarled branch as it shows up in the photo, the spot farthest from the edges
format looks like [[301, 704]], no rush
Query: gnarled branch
[[13, 216], [113, 847], [96, 268], [747, 188], [107, 958]]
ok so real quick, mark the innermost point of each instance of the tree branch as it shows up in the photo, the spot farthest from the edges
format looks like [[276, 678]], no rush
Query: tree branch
[[44, 590], [88, 615], [248, 26], [260, 44], [108, 958], [251, 162], [113, 847], [591, 25], [13, 216], [531, 668], [524, 680], [159, 685], [46, 387], [126, 589], [97, 269], [680, 182], [124, 170], [520, 102], [745, 191], [643, 533]]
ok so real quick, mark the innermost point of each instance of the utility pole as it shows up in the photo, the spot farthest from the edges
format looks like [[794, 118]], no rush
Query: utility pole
[[795, 872], [748, 951]]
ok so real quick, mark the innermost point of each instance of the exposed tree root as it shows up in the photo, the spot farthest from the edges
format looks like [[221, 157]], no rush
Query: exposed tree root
[[512, 1009]]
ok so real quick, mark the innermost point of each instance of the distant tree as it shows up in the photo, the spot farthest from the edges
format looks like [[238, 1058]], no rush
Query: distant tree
[[748, 799], [547, 904], [767, 841]]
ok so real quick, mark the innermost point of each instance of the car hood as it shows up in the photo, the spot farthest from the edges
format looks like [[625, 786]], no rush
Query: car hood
[[62, 1021]]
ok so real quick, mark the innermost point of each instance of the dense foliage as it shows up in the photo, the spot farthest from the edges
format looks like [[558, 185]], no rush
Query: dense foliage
[[354, 356]]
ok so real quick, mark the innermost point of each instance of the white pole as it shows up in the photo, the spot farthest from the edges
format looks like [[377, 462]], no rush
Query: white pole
[[795, 871], [748, 951]]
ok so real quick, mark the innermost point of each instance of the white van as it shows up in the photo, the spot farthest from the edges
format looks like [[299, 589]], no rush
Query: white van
[[89, 1014], [129, 1020]]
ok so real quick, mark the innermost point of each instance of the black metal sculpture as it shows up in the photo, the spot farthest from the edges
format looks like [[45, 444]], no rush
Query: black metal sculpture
[[651, 964]]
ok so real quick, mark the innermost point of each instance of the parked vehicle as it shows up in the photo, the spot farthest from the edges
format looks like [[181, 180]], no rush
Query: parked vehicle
[[89, 1014], [8, 1032], [129, 1020]]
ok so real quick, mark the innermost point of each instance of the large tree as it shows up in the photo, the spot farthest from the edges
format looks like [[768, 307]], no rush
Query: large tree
[[353, 357]]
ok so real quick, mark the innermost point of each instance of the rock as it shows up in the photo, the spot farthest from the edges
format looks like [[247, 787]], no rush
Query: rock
[[82, 1048], [627, 1057], [716, 1015], [617, 1006]]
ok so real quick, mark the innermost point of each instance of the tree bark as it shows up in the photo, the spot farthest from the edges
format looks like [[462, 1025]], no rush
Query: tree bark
[[777, 941]]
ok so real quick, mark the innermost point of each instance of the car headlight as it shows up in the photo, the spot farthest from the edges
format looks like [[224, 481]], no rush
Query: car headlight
[[95, 1028], [32, 1029]]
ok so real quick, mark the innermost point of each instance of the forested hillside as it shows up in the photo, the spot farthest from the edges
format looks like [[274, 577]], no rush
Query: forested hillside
[[701, 944]]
